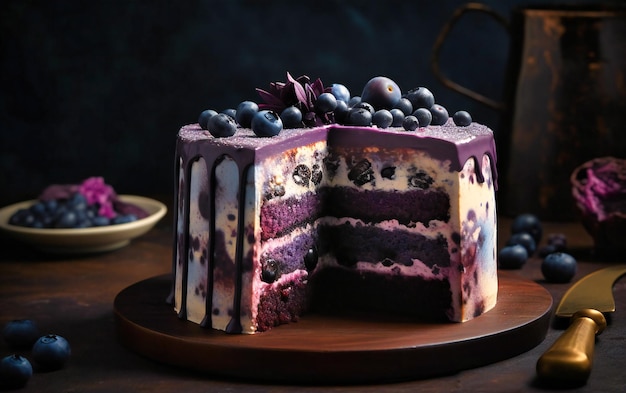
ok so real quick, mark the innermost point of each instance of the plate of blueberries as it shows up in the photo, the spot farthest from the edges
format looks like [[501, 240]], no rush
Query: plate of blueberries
[[73, 226]]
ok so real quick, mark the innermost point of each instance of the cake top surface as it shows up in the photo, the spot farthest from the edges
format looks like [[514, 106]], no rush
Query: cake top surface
[[301, 111], [246, 138]]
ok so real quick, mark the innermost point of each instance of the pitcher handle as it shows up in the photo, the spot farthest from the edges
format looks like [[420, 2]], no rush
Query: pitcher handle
[[443, 34]]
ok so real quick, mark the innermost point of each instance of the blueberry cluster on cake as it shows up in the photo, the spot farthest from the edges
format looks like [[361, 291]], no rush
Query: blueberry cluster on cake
[[316, 200]]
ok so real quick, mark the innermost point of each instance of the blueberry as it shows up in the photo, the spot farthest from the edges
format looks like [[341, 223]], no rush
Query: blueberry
[[527, 223], [420, 180], [410, 123], [523, 239], [38, 224], [359, 117], [382, 118], [266, 123], [310, 259], [270, 271], [462, 118], [341, 112], [301, 175], [423, 116], [512, 257], [547, 250], [558, 267], [245, 112], [421, 97], [366, 105], [222, 125], [15, 371], [361, 173], [340, 92], [404, 105], [203, 119], [100, 221], [325, 103], [291, 117], [20, 333], [123, 219], [51, 352], [66, 219], [51, 205], [556, 242], [354, 101], [77, 202], [388, 172], [559, 240], [38, 209], [230, 112], [440, 115], [381, 92], [316, 174], [19, 217], [398, 117]]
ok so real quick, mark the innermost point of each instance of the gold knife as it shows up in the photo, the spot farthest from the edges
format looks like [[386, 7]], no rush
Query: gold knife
[[570, 358]]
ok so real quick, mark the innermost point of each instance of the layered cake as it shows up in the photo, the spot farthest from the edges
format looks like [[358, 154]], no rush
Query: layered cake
[[334, 216]]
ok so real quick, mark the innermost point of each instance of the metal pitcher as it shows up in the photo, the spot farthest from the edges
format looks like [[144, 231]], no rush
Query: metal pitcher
[[565, 100]]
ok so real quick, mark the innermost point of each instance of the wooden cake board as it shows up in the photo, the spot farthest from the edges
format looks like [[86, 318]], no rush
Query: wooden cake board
[[323, 349]]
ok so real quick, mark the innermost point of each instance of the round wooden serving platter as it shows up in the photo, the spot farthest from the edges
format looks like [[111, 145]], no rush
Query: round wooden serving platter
[[323, 349]]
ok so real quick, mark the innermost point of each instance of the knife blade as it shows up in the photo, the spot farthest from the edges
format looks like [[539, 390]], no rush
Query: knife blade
[[570, 358]]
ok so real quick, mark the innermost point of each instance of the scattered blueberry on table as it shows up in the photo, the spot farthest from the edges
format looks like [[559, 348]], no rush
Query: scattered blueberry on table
[[524, 239], [528, 223], [51, 352], [512, 257], [15, 371], [20, 333], [559, 267]]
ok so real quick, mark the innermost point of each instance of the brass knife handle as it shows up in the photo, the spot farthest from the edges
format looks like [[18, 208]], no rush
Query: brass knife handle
[[570, 358]]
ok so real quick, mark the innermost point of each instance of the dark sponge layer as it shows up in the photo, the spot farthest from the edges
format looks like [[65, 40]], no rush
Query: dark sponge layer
[[346, 291], [370, 244], [376, 206]]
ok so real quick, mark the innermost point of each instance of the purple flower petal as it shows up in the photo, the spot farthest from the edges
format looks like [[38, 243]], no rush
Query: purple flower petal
[[298, 89], [270, 99], [318, 87]]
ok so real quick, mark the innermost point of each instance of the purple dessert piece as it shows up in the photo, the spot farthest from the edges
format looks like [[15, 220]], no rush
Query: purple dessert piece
[[95, 190], [599, 190]]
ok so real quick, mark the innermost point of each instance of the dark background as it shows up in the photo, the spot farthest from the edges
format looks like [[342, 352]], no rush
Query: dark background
[[102, 87]]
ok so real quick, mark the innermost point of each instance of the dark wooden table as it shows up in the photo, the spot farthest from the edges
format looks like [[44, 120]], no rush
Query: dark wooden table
[[73, 297]]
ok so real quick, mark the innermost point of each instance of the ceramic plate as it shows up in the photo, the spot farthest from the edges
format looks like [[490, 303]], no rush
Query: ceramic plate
[[84, 240]]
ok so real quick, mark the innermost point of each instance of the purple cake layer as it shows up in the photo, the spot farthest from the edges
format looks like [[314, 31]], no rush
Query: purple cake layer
[[282, 304], [344, 291], [375, 206], [279, 217], [375, 245]]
